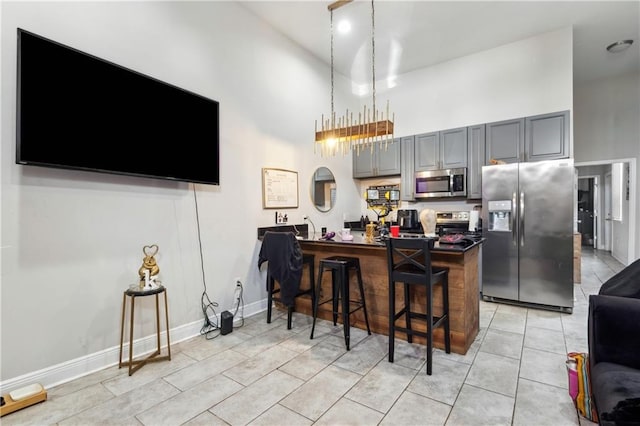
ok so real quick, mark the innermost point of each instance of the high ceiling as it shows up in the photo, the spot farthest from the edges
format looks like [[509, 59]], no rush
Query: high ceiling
[[410, 35]]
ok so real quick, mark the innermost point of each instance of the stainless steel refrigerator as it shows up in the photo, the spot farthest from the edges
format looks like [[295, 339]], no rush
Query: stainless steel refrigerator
[[527, 257]]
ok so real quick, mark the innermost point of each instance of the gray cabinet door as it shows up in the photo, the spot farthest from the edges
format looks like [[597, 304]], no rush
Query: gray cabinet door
[[407, 172], [475, 147], [363, 163], [505, 141], [388, 158], [547, 136], [383, 159], [427, 151], [453, 148]]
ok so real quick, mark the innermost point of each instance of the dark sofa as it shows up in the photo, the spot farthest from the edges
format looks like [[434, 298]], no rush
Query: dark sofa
[[614, 348]]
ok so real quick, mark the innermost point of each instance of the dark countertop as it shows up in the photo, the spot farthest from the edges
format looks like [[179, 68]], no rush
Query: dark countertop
[[303, 235], [358, 240]]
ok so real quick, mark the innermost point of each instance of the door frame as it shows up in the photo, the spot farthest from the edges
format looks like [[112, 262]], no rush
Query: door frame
[[607, 230], [631, 243]]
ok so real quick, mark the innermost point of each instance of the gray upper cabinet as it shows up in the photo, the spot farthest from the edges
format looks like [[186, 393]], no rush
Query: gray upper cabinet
[[536, 138], [407, 178], [441, 150], [505, 141], [388, 158], [382, 160], [475, 148], [363, 163], [547, 136], [453, 148], [427, 151]]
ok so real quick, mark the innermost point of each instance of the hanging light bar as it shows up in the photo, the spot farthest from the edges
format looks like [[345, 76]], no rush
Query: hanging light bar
[[345, 133]]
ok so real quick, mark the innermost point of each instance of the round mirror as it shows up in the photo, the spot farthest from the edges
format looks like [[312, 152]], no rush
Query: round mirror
[[323, 189]]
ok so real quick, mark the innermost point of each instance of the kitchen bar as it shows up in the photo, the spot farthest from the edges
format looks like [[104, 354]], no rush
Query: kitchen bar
[[462, 261]]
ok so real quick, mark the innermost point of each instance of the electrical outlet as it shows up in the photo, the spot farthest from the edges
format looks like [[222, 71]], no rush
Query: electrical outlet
[[281, 218]]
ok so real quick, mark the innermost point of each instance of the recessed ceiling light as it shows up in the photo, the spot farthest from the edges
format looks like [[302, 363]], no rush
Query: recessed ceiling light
[[619, 46], [344, 26]]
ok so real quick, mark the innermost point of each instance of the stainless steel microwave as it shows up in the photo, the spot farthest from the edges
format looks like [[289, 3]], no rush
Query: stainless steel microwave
[[441, 183]]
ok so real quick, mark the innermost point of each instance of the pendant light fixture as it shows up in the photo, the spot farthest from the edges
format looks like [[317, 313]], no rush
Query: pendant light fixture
[[338, 135]]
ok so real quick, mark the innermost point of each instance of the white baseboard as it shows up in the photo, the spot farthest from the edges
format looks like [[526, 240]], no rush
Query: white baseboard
[[73, 369]]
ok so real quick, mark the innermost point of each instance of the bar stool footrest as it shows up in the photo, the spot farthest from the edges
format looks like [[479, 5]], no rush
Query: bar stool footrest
[[437, 321]]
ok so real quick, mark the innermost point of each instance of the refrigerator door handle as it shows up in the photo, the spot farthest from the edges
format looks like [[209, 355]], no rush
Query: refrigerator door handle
[[522, 219], [514, 233]]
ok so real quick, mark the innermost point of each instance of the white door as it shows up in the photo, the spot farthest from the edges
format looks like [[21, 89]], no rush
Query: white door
[[596, 212], [608, 229]]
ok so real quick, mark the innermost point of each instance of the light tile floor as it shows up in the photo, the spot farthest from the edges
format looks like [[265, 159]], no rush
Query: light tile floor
[[264, 374]]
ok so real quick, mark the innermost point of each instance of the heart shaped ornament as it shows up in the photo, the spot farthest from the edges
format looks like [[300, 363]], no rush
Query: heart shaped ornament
[[151, 250]]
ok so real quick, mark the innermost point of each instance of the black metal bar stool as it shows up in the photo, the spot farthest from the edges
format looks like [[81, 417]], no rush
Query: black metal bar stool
[[409, 263], [307, 259], [340, 266]]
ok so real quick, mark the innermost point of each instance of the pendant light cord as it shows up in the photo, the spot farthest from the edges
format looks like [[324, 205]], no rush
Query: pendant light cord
[[333, 115], [342, 134], [373, 60]]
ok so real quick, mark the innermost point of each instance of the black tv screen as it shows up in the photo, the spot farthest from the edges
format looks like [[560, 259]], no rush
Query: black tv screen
[[77, 111]]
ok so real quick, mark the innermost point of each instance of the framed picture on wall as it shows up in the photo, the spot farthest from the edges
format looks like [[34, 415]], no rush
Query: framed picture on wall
[[279, 188]]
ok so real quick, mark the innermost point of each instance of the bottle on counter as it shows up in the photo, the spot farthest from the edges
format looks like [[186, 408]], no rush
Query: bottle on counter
[[362, 221]]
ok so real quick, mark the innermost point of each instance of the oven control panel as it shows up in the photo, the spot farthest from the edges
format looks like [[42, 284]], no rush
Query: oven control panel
[[444, 217]]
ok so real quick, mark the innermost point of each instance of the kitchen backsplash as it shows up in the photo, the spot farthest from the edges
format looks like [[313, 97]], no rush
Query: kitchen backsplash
[[443, 205]]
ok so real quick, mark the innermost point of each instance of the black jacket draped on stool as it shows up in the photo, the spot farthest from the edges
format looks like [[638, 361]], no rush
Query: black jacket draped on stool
[[284, 256]]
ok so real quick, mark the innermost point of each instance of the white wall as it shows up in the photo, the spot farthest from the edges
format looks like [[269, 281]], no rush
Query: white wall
[[71, 241], [607, 127], [529, 77]]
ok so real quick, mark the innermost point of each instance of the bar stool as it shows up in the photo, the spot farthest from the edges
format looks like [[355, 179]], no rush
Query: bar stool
[[307, 259], [409, 262], [340, 266], [133, 293], [285, 261]]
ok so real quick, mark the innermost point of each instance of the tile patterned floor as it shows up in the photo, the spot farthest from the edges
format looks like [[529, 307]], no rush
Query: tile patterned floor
[[264, 374]]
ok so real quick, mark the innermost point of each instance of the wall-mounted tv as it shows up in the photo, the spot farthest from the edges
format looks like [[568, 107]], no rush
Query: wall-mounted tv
[[77, 111]]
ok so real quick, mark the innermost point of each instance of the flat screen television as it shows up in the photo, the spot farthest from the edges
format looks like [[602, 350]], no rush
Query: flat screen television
[[77, 111]]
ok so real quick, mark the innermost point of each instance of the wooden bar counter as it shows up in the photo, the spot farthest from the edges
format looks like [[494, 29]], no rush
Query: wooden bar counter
[[463, 288]]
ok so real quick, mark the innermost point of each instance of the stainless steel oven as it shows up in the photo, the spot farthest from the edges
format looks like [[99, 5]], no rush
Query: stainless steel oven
[[441, 183]]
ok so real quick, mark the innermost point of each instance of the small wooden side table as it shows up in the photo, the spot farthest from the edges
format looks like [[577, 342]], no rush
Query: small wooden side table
[[135, 365]]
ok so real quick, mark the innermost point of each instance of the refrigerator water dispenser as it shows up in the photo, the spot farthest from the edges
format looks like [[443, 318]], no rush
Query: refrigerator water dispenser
[[499, 216]]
